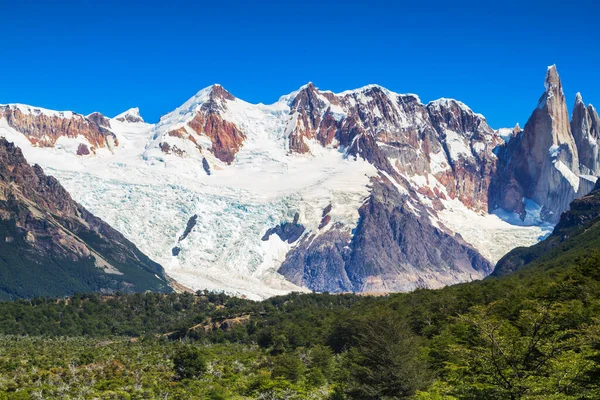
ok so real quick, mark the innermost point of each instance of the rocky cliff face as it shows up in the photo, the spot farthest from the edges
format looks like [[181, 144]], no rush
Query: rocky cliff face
[[400, 135], [542, 163], [207, 123], [585, 127], [394, 248], [44, 128], [52, 246]]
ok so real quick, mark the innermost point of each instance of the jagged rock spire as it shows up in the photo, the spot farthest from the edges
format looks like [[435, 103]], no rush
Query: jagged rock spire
[[544, 164], [584, 127], [517, 129], [552, 79]]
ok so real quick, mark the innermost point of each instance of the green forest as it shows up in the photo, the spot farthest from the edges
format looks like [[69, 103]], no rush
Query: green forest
[[533, 334]]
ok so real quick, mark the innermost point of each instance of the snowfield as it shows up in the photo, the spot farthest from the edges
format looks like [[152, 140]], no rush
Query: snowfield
[[149, 199]]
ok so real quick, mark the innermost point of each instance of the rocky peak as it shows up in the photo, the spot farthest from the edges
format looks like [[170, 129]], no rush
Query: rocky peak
[[132, 116], [306, 97], [218, 92], [217, 99], [517, 129], [553, 105], [584, 126], [595, 121], [552, 82], [457, 116], [543, 164], [202, 115], [210, 99], [99, 119], [307, 110]]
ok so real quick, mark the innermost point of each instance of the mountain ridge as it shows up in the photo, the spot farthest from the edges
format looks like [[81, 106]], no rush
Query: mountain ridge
[[244, 169]]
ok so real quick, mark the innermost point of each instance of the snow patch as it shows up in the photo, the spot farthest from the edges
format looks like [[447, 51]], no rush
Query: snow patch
[[456, 145], [569, 175], [490, 234]]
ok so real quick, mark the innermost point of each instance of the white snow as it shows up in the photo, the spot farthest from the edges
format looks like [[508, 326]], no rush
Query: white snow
[[489, 233], [457, 147], [505, 134], [590, 178], [132, 112], [150, 200], [569, 175], [554, 151], [478, 146], [447, 103], [26, 109], [438, 162]]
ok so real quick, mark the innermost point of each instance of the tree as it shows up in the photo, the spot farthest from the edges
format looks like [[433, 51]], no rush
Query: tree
[[386, 362], [189, 362], [535, 356], [288, 366]]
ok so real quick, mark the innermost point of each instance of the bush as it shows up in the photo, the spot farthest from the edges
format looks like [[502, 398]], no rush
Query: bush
[[289, 367]]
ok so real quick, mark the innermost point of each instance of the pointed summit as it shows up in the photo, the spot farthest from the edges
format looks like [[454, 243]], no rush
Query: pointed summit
[[517, 129], [544, 164], [213, 92], [132, 116], [584, 126], [218, 92], [552, 78]]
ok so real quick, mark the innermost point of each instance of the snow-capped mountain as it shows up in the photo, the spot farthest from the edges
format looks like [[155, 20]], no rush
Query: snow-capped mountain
[[364, 190]]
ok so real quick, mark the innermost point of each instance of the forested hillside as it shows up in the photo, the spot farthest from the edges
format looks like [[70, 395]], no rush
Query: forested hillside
[[530, 335]]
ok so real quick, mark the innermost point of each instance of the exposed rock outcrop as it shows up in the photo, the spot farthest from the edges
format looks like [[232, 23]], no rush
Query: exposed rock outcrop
[[400, 135], [226, 138], [288, 232], [395, 247], [189, 226], [43, 128], [585, 127], [131, 116]]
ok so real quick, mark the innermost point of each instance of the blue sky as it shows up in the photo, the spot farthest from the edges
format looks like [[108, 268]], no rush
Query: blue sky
[[107, 55]]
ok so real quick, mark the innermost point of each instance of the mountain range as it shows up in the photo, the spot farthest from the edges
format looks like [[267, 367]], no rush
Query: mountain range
[[361, 191]]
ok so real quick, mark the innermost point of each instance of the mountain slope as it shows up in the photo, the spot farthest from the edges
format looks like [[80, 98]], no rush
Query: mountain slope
[[52, 246], [576, 234], [392, 249]]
